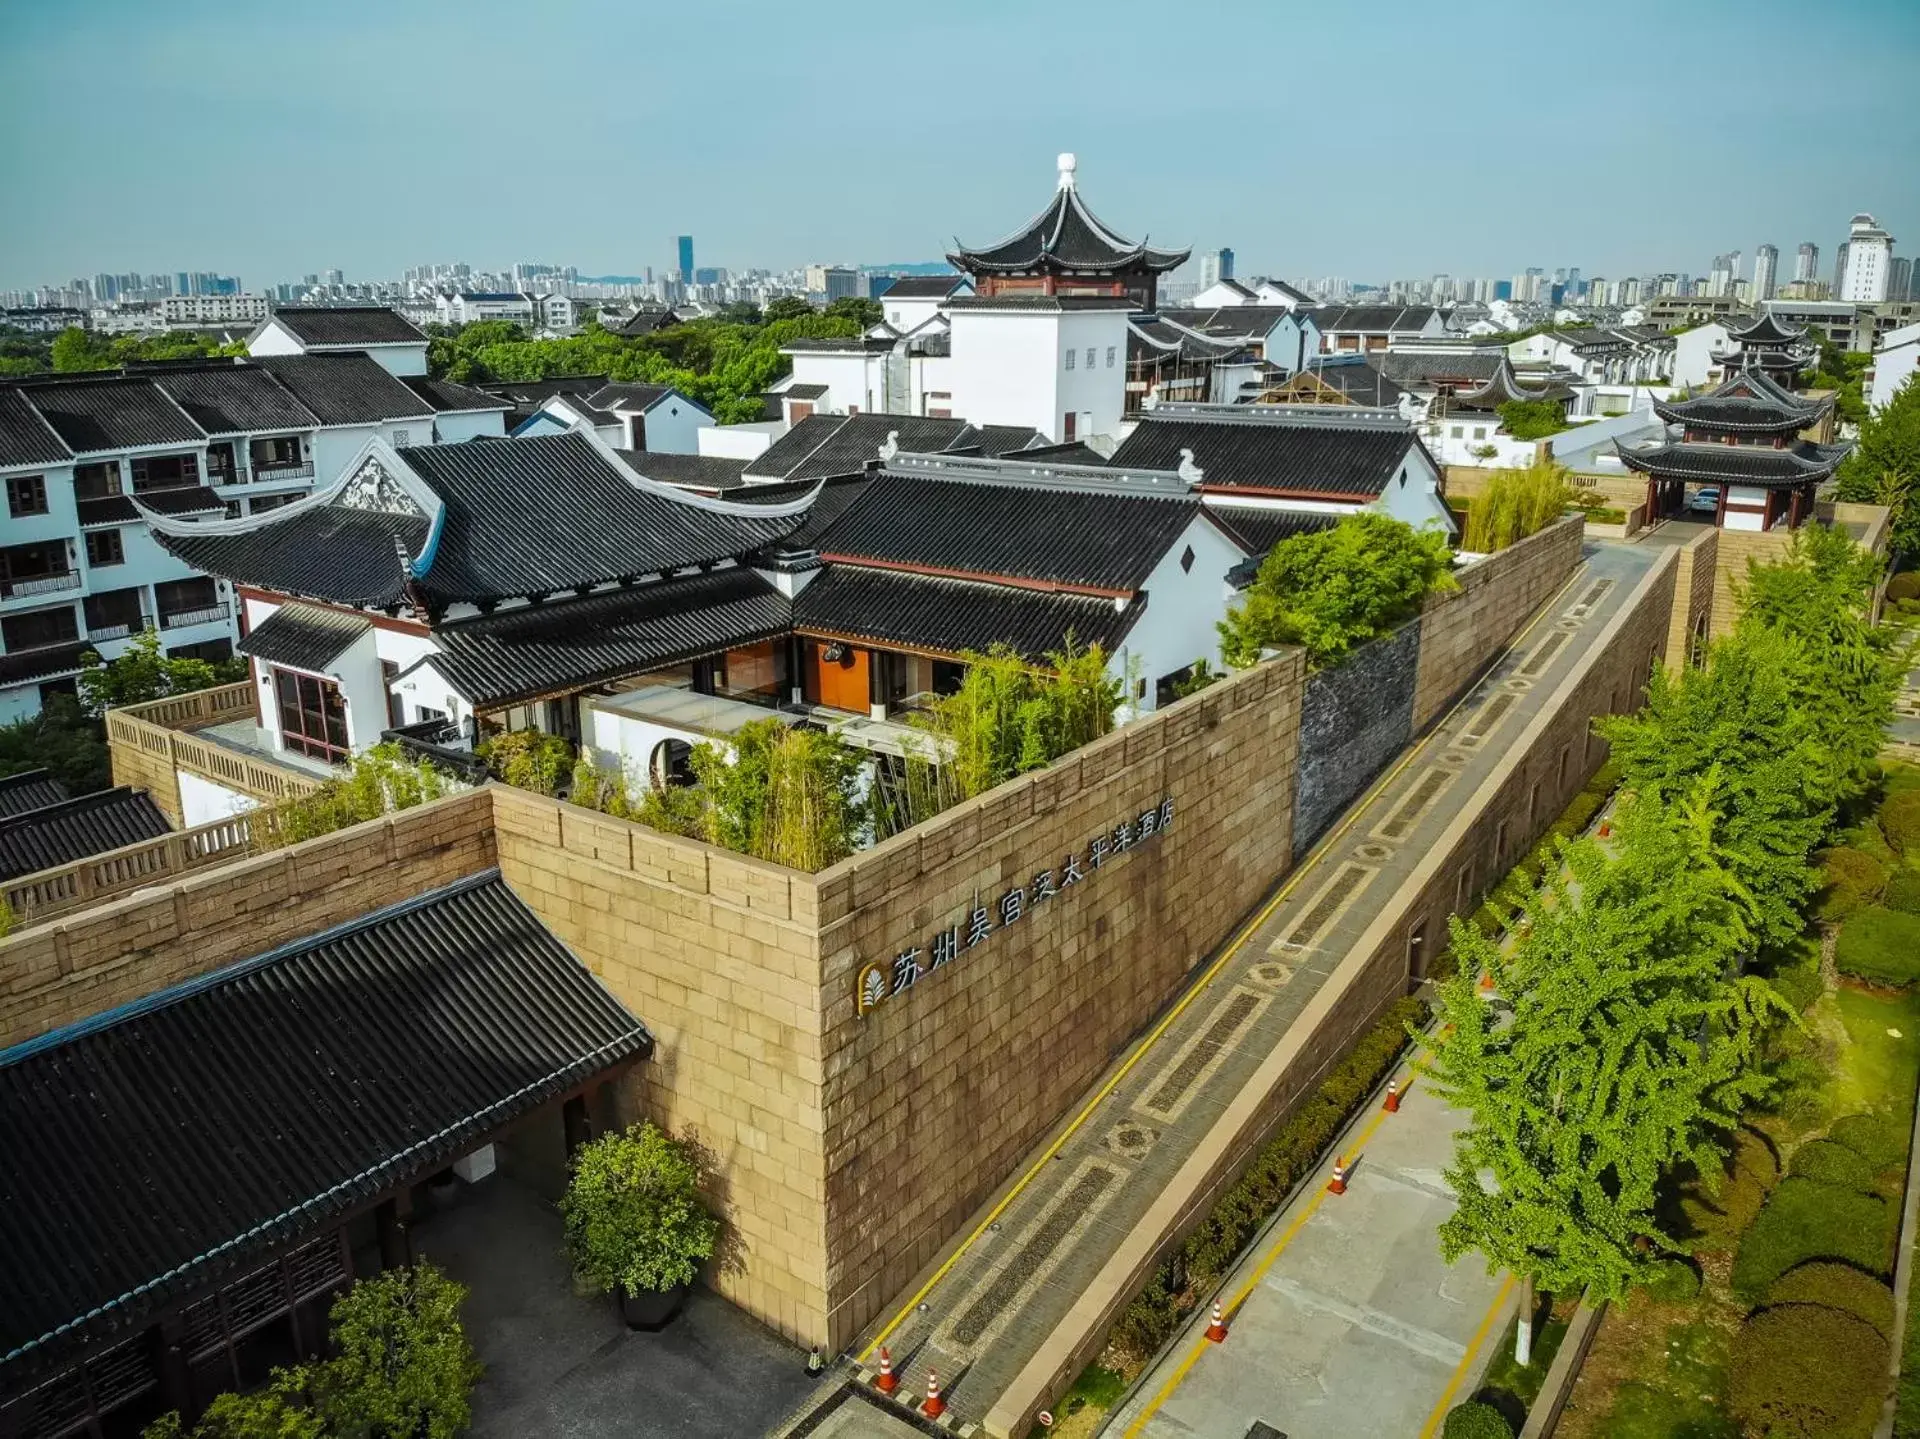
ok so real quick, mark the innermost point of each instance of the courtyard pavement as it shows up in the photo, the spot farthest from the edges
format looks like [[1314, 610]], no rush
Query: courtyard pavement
[[1020, 1266], [1342, 1318], [562, 1366]]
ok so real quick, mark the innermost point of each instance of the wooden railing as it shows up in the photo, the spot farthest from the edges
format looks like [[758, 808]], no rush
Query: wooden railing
[[50, 892], [162, 728]]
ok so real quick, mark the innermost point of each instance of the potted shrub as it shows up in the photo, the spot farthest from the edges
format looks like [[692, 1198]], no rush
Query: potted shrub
[[636, 1224]]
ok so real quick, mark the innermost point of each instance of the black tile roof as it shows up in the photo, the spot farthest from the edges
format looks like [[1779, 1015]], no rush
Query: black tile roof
[[1164, 339], [1408, 370], [1765, 328], [531, 394], [25, 438], [1359, 381], [1759, 465], [630, 396], [824, 445], [324, 551], [645, 321], [116, 413], [181, 500], [548, 513], [836, 493], [1746, 403], [357, 1060], [234, 399], [1064, 236], [445, 397], [110, 510], [922, 287], [306, 637], [1260, 527], [946, 616], [701, 472], [1504, 387], [18, 666], [77, 828], [537, 650], [1246, 322], [1372, 319], [30, 789], [804, 392], [345, 389], [1272, 449], [349, 326], [1043, 534]]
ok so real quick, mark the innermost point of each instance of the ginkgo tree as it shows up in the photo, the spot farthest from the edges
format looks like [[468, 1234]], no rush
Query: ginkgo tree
[[1619, 1040]]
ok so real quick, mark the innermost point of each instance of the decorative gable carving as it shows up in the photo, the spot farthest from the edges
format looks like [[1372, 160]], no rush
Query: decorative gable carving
[[373, 488]]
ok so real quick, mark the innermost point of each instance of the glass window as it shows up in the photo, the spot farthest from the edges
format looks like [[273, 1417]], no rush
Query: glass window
[[26, 495], [1089, 357], [1110, 350], [104, 548], [1455, 432], [1070, 355], [313, 719]]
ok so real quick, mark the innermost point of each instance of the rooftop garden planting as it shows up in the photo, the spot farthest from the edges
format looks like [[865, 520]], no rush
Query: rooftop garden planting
[[1514, 504]]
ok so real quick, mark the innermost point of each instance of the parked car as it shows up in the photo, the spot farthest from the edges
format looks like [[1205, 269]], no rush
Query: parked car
[[1705, 500]]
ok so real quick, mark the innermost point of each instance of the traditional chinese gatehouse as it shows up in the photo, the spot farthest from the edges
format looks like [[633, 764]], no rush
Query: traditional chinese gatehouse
[[1745, 438], [1767, 344]]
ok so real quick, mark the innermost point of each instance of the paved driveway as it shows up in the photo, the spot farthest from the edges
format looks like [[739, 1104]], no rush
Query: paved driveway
[[1350, 1324]]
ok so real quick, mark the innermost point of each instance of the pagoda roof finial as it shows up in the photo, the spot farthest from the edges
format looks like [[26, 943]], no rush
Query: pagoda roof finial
[[1068, 163]]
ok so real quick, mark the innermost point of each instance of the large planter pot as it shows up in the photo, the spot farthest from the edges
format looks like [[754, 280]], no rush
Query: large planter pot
[[651, 1309]]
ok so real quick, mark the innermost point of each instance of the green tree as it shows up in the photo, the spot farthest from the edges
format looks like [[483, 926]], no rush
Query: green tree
[[62, 738], [633, 1212], [787, 307], [403, 1367], [1533, 419], [1516, 502], [76, 349], [862, 312], [1331, 590], [147, 672], [1620, 1043], [1884, 467]]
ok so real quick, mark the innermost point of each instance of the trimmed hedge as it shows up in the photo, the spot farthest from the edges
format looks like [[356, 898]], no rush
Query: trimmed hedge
[[1881, 946], [1903, 890], [1804, 1371], [1474, 1420], [1718, 1220], [1804, 1220], [1900, 821], [1852, 879], [1838, 1286], [1876, 1138], [1292, 1154], [1831, 1163], [1904, 586]]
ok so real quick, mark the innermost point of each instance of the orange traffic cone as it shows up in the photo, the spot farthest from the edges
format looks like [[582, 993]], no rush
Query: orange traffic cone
[[886, 1383], [1392, 1106], [1486, 982], [935, 1405], [1217, 1330], [1338, 1184]]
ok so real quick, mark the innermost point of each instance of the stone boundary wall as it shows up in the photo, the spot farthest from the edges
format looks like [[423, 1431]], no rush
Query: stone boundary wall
[[934, 1096], [1461, 632], [1546, 766], [72, 967], [1693, 597], [718, 955]]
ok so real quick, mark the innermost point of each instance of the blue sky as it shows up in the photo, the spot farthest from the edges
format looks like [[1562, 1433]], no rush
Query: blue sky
[[1370, 138]]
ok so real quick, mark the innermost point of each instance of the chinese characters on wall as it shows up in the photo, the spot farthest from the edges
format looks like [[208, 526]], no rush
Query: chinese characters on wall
[[878, 983]]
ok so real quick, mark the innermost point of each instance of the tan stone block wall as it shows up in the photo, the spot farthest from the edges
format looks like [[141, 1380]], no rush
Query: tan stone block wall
[[932, 1098], [1694, 580], [1736, 548], [718, 955], [1460, 632], [114, 953], [150, 772]]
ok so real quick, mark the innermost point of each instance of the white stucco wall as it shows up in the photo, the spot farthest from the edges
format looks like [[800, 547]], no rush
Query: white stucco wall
[[1693, 353], [1183, 608], [202, 801], [673, 426], [1893, 363], [740, 442], [454, 426], [845, 373], [1009, 368]]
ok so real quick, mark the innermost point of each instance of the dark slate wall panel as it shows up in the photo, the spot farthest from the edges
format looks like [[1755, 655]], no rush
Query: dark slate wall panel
[[1353, 720]]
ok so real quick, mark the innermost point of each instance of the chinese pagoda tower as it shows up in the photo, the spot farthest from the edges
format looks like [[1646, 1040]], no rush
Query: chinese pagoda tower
[[1745, 438], [1065, 250], [1779, 351]]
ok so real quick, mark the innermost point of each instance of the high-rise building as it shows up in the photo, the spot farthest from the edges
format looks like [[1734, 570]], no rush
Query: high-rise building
[[1900, 279], [1839, 269], [1869, 263], [1766, 260], [686, 259], [180, 285], [1215, 266], [1806, 263]]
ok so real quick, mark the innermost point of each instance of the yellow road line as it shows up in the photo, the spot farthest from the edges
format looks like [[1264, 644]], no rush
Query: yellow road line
[[1247, 931], [1439, 1415]]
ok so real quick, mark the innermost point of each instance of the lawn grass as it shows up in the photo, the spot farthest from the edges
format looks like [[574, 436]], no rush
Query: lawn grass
[[1523, 1383], [1877, 1069]]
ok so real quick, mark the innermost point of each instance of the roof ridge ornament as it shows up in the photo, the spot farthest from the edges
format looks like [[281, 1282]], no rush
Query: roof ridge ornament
[[1068, 163], [1187, 469], [891, 448]]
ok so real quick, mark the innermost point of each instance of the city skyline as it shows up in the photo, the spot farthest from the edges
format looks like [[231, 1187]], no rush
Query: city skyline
[[309, 159]]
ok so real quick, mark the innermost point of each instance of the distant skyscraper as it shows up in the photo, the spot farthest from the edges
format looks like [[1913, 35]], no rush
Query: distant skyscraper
[[1900, 279], [686, 259], [1806, 264], [1867, 269], [1215, 266], [180, 285], [1766, 260]]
